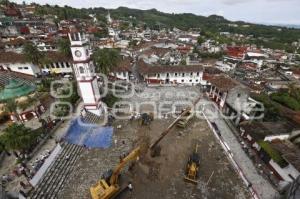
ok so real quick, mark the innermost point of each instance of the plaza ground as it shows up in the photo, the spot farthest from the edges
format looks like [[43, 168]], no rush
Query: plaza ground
[[163, 176]]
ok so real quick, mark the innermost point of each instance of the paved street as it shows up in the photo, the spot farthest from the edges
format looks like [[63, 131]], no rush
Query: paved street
[[260, 185]]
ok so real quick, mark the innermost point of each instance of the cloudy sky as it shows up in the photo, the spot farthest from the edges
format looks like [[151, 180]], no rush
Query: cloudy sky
[[259, 11]]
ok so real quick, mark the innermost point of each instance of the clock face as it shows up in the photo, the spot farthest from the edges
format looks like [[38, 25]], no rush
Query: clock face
[[77, 53]]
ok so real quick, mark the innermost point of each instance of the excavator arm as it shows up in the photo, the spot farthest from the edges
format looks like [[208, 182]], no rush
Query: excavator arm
[[131, 156]]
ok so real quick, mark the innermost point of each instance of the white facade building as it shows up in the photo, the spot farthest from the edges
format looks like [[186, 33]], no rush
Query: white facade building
[[11, 61], [58, 68], [25, 68], [188, 75], [225, 67]]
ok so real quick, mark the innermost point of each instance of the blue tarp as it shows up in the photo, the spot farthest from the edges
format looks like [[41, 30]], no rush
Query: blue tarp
[[90, 135]]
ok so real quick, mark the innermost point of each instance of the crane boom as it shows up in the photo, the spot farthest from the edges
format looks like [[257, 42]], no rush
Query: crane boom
[[165, 132]]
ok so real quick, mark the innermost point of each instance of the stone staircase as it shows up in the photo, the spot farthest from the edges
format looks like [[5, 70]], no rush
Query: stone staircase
[[92, 118], [57, 174]]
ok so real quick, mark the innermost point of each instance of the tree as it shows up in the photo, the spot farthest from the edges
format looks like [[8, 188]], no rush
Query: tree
[[183, 62], [102, 33], [74, 95], [200, 40], [3, 148], [17, 137], [11, 107], [30, 101], [106, 59], [64, 47], [293, 91], [271, 110], [32, 54], [133, 43], [4, 2]]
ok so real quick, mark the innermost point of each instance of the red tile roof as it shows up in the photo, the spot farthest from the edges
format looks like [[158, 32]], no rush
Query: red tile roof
[[223, 83], [16, 42], [156, 51], [236, 51], [123, 66], [11, 57], [144, 68]]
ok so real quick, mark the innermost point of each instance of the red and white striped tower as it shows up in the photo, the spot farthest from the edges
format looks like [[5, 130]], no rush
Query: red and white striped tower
[[84, 71]]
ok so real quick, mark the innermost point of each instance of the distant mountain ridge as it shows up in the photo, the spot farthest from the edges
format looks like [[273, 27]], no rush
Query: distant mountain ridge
[[288, 25]]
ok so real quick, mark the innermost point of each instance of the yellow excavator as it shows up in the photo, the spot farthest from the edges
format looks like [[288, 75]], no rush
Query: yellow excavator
[[192, 167], [108, 186], [186, 118]]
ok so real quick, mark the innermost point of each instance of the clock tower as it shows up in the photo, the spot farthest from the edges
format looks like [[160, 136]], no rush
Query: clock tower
[[84, 71]]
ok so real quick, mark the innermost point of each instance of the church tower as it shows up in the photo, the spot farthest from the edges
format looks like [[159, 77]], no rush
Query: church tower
[[84, 71]]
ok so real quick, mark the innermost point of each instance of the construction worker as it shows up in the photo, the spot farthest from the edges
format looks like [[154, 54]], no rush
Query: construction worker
[[130, 187]]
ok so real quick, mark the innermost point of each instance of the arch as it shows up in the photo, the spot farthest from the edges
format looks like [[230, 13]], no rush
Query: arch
[[81, 69]]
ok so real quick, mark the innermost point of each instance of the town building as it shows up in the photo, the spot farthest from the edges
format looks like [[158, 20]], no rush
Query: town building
[[233, 99], [16, 62], [57, 64], [123, 71], [181, 74], [270, 141]]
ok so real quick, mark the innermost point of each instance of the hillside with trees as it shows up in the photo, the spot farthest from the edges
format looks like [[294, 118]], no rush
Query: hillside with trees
[[268, 36]]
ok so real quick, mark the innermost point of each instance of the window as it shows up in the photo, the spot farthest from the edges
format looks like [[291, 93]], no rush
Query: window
[[182, 75], [182, 80], [197, 80], [68, 65], [158, 75], [75, 37], [190, 80], [20, 68], [175, 74], [81, 69], [62, 65], [238, 95], [57, 65], [191, 73], [198, 73], [26, 68], [168, 74]]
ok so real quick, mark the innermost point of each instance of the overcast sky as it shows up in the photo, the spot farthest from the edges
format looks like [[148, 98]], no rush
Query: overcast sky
[[259, 11]]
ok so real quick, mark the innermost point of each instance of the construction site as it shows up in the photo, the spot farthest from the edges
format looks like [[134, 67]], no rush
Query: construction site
[[160, 158]]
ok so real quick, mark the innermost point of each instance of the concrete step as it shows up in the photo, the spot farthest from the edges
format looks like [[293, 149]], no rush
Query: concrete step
[[58, 173]]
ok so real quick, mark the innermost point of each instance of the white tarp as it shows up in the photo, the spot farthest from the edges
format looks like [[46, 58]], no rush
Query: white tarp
[[38, 176]]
